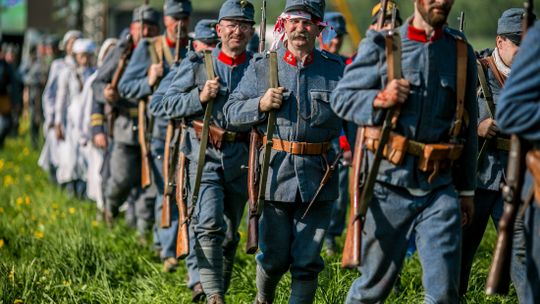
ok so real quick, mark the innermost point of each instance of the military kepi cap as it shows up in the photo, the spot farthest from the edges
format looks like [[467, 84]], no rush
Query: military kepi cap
[[177, 9], [241, 10], [510, 24], [205, 30], [337, 21], [314, 7], [148, 14]]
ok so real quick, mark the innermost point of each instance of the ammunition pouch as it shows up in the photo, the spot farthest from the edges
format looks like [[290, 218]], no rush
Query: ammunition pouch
[[217, 135], [431, 157], [533, 164], [298, 147]]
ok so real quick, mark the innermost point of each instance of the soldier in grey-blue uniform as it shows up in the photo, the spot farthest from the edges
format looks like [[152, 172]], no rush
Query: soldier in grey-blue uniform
[[305, 126], [339, 210], [223, 192], [488, 200], [121, 173], [518, 112], [204, 38], [407, 196], [141, 77]]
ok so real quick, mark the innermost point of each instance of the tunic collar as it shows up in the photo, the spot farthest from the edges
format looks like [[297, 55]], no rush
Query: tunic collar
[[230, 60], [291, 59], [420, 35]]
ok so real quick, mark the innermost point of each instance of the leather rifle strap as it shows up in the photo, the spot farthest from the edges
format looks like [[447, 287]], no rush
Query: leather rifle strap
[[461, 83]]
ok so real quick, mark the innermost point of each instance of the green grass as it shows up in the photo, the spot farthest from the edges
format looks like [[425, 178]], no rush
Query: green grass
[[53, 251]]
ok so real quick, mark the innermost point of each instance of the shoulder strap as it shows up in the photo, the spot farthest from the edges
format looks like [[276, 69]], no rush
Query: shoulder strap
[[500, 78], [158, 47], [484, 86], [461, 70], [166, 52]]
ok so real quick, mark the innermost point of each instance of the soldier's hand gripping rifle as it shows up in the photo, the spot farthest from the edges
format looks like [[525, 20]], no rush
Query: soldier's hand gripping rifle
[[146, 179], [208, 62], [169, 157], [362, 191], [498, 279], [255, 143]]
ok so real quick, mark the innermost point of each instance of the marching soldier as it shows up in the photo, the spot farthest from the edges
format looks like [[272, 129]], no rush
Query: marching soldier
[[204, 38], [291, 233], [141, 77], [431, 167], [493, 157], [339, 209], [121, 172], [220, 206], [517, 113]]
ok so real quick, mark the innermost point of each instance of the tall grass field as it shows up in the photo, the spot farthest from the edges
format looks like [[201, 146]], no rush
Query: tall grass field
[[52, 250]]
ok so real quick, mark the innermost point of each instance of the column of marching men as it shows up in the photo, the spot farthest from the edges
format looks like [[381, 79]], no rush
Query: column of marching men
[[110, 128]]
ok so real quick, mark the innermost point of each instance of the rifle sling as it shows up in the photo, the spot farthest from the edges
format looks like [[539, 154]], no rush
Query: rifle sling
[[461, 83], [485, 88]]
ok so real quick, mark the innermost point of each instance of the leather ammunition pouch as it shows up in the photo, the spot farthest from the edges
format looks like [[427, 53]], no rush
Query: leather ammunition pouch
[[217, 135], [5, 105], [533, 164], [431, 157], [298, 148]]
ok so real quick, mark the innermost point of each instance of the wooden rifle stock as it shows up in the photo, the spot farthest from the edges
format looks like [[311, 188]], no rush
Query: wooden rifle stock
[[182, 237], [166, 205], [353, 239], [255, 143], [122, 63], [146, 179]]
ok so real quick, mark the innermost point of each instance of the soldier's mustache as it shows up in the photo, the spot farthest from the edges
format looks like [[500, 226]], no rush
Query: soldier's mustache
[[299, 35]]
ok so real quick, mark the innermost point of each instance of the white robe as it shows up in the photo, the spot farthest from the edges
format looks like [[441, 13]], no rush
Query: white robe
[[72, 163]]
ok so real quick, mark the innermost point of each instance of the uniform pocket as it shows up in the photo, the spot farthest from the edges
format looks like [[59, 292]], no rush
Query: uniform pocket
[[322, 115], [283, 116], [447, 95]]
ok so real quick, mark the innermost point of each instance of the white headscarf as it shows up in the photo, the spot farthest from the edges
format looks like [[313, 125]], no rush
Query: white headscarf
[[328, 33]]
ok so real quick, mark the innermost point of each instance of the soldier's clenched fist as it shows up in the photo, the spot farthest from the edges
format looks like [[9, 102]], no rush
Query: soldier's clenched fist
[[396, 92], [488, 128], [272, 99], [210, 90], [154, 73]]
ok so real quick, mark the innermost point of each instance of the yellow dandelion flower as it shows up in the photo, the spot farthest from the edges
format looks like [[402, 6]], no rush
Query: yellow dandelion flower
[[27, 200], [26, 151], [54, 206], [71, 210], [11, 275], [39, 234], [95, 224], [19, 201], [1, 210], [18, 301], [1, 164], [1, 243], [8, 181]]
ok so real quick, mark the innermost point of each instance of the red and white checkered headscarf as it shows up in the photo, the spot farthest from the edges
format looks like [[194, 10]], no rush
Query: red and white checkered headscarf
[[328, 33]]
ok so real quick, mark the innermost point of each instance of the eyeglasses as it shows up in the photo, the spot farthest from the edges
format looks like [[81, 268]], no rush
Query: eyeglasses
[[244, 27]]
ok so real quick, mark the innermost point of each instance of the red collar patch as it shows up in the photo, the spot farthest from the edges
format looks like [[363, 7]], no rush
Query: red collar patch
[[420, 35], [232, 61], [350, 59], [172, 44], [290, 59]]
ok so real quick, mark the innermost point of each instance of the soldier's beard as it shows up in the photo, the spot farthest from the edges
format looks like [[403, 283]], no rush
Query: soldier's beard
[[434, 18]]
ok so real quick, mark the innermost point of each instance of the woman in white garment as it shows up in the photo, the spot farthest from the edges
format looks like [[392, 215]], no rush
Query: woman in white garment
[[94, 155], [48, 160], [71, 172]]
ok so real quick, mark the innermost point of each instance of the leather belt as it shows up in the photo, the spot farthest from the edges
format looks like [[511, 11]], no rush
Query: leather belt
[[297, 147], [128, 112], [503, 144]]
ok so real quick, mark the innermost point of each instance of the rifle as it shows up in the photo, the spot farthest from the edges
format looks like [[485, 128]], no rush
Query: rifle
[[208, 61], [169, 153], [182, 237], [498, 279], [146, 179], [110, 111], [360, 202], [255, 143]]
